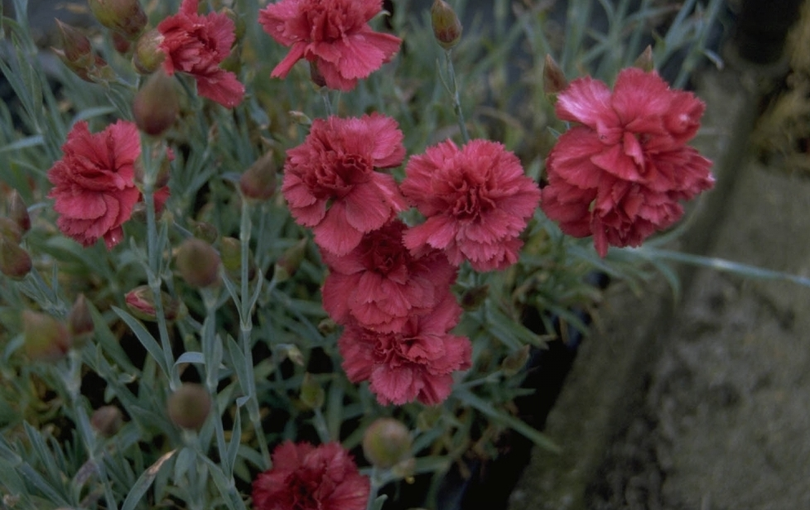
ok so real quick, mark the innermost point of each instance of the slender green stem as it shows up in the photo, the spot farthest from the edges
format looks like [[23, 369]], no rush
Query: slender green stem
[[209, 339], [246, 326], [320, 426], [153, 253], [376, 485], [462, 124]]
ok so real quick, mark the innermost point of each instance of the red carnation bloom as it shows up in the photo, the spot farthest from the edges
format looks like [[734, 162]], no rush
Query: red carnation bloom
[[621, 174], [196, 45], [380, 284], [476, 200], [304, 477], [330, 184], [94, 182], [332, 35], [415, 363]]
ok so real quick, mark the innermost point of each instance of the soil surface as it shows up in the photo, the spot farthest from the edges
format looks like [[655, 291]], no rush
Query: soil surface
[[704, 404]]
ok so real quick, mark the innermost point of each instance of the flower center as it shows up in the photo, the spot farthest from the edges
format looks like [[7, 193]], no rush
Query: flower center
[[470, 200], [329, 20], [336, 177]]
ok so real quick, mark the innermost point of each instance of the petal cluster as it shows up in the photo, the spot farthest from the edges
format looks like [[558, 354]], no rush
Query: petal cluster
[[197, 45], [620, 175], [476, 201], [94, 182], [333, 35], [331, 185], [381, 285], [415, 363], [305, 477]]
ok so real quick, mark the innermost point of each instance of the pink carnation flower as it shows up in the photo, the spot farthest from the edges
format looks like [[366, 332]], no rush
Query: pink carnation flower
[[94, 182], [333, 35], [381, 285], [196, 45], [415, 363], [476, 200], [330, 184], [620, 175], [305, 477]]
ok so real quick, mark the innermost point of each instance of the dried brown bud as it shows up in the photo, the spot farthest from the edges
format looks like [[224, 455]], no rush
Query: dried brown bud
[[198, 263], [515, 361], [124, 16], [80, 321], [258, 182], [553, 77], [472, 298], [290, 261], [387, 442], [645, 60], [189, 406], [14, 261], [46, 339], [107, 420], [77, 52], [156, 105], [446, 25], [18, 212]]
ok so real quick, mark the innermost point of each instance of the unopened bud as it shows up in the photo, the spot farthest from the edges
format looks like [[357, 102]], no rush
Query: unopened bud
[[156, 105], [107, 420], [312, 394], [553, 77], [141, 303], [189, 406], [198, 263], [291, 352], [14, 261], [124, 16], [10, 230], [387, 442], [300, 118], [290, 261], [18, 212], [231, 251], [315, 75], [46, 339], [76, 52], [446, 25], [80, 321], [645, 60], [205, 231], [258, 182], [515, 361], [121, 44], [472, 298], [148, 56]]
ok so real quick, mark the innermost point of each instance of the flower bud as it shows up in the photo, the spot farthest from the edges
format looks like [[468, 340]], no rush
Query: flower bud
[[14, 261], [290, 261], [315, 75], [188, 407], [387, 442], [80, 321], [124, 16], [18, 212], [231, 251], [258, 182], [148, 56], [46, 339], [198, 263], [645, 60], [472, 298], [553, 77], [10, 230], [312, 395], [141, 303], [156, 105], [446, 25], [515, 361], [107, 420], [76, 52], [291, 352], [205, 231]]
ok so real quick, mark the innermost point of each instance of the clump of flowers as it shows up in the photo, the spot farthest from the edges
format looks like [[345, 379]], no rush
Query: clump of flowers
[[620, 175], [333, 35], [94, 182], [306, 477]]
